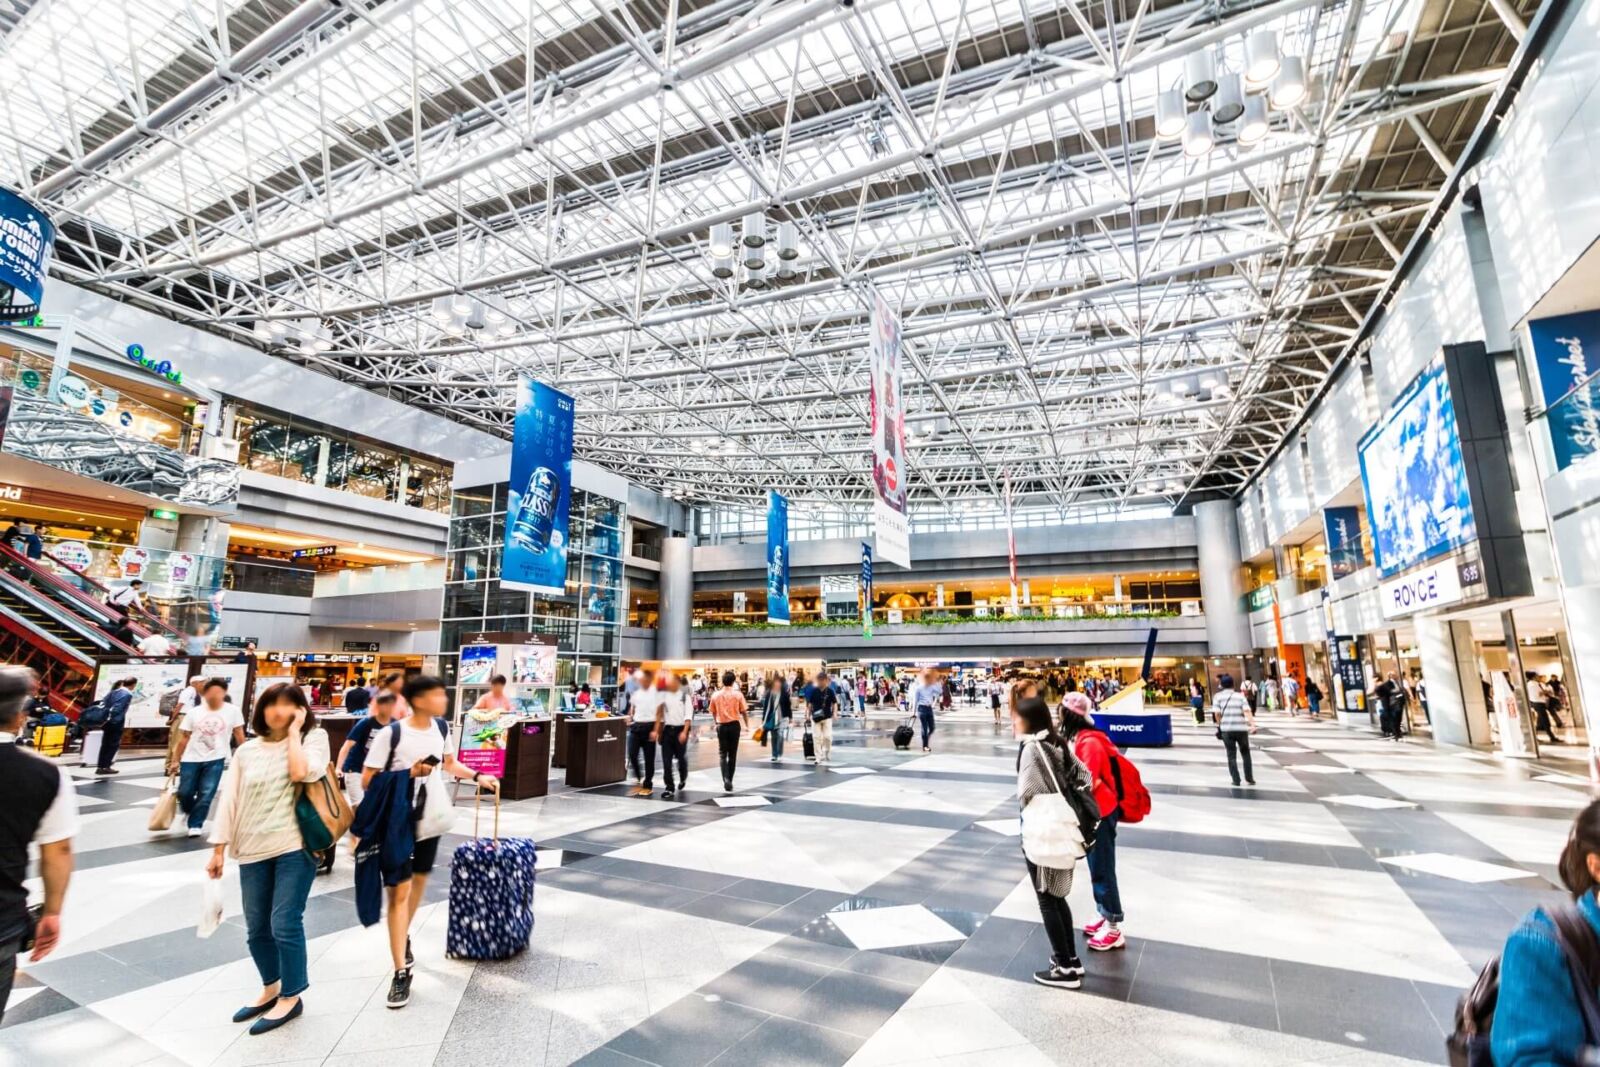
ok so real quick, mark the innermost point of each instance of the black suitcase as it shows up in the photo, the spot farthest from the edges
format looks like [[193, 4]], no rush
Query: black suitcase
[[902, 735], [808, 746]]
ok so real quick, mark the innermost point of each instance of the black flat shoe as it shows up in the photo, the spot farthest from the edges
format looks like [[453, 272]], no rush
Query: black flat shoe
[[266, 1026], [244, 1015]]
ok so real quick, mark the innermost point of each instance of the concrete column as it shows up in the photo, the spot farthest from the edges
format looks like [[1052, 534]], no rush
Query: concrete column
[[677, 598], [1221, 578], [158, 534], [1582, 604], [204, 535], [1450, 671]]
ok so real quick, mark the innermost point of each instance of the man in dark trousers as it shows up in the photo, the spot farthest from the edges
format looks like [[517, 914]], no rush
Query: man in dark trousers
[[37, 807], [116, 703]]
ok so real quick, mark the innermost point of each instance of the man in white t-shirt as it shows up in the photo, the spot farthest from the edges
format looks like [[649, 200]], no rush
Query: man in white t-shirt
[[155, 644], [423, 744], [207, 736]]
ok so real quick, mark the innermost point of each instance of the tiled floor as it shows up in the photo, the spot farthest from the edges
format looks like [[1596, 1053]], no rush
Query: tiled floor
[[874, 912]]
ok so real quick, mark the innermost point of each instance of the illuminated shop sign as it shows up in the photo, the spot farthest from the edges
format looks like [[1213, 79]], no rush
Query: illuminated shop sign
[[160, 367], [314, 553]]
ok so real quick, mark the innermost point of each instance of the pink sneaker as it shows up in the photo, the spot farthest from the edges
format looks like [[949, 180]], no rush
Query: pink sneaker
[[1108, 938], [1094, 927]]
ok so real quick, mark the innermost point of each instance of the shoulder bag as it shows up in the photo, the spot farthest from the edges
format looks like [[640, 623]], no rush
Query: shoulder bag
[[323, 812]]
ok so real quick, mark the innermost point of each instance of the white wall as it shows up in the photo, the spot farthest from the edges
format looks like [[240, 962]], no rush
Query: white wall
[[282, 624], [251, 375], [1285, 500], [1253, 538], [1332, 432], [1541, 198]]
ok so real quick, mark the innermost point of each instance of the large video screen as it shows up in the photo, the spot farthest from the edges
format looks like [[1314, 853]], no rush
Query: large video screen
[[1418, 504]]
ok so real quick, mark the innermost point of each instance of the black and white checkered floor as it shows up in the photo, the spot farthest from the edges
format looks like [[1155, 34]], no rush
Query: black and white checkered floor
[[873, 912]]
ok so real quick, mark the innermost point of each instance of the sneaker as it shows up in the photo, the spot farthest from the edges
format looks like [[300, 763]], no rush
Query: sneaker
[[410, 959], [106, 770], [400, 989], [1068, 977], [1094, 928], [1249, 781], [643, 791], [669, 794], [1108, 938], [194, 831]]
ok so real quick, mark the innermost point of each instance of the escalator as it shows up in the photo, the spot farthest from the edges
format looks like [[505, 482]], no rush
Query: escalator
[[58, 629]]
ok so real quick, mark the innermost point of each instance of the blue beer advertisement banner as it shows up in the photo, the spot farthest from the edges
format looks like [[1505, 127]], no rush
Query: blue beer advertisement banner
[[866, 589], [777, 559], [1566, 350], [541, 491], [1343, 529], [26, 237]]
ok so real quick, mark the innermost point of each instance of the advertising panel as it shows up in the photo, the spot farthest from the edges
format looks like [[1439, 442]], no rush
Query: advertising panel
[[892, 525], [534, 664], [483, 740], [541, 491], [155, 696], [777, 559], [477, 664], [1342, 526], [26, 237], [1566, 351], [1419, 506], [866, 589]]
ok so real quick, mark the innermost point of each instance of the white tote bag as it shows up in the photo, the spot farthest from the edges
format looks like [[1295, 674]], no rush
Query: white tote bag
[[1050, 834], [438, 812]]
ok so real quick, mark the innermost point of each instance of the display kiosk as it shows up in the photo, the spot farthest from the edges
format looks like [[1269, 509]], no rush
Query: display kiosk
[[595, 750], [1125, 719]]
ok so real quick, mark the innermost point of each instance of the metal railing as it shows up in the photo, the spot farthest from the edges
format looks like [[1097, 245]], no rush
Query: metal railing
[[646, 615]]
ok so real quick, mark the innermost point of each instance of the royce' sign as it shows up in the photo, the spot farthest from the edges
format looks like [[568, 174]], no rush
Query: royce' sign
[[1429, 587]]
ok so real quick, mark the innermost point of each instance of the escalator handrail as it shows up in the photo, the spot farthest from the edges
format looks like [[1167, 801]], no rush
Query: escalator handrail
[[46, 642], [100, 608], [20, 588]]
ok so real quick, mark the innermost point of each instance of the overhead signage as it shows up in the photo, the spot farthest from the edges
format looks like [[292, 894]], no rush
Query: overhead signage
[[1260, 598], [777, 559], [535, 556], [160, 513], [73, 391], [1342, 528], [314, 553], [26, 237], [10, 492], [1433, 586], [361, 646], [161, 368], [892, 526], [232, 644], [1566, 351]]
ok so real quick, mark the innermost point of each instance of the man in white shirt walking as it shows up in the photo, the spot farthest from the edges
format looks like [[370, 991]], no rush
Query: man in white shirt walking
[[209, 734]]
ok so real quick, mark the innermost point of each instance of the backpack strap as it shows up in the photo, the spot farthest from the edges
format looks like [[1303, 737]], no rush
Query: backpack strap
[[394, 743], [1581, 947]]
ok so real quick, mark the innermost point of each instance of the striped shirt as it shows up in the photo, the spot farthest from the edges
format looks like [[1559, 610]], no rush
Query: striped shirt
[[1231, 708], [255, 810]]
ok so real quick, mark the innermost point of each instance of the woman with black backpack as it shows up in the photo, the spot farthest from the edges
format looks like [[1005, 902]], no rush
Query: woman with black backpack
[[1544, 1012], [1045, 766]]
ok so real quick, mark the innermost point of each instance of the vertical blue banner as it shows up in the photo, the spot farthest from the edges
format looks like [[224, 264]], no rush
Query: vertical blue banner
[[541, 491], [777, 559], [866, 589], [1342, 526], [1566, 350], [26, 237]]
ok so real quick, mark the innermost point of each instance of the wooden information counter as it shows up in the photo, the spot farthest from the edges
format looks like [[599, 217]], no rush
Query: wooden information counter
[[527, 771], [595, 751]]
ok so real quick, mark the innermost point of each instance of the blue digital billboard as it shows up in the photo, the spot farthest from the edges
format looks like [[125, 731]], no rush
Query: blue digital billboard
[[1419, 506]]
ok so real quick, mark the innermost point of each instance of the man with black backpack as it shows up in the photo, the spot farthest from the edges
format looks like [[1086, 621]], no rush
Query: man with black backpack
[[110, 715], [823, 703]]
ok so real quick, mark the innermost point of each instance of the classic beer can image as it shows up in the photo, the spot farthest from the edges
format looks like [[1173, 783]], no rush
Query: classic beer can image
[[536, 512]]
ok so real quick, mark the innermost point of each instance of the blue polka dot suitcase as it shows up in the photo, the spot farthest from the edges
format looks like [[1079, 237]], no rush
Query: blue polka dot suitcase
[[491, 896]]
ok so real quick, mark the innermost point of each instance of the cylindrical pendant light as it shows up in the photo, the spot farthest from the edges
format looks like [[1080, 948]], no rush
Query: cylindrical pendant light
[[1199, 76], [1169, 113], [788, 241], [1253, 128], [755, 258], [1197, 136], [1289, 87], [755, 230], [722, 266], [1229, 102], [1261, 57], [722, 240]]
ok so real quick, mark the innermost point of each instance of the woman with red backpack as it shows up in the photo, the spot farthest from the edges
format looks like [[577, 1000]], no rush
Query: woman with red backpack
[[1119, 793]]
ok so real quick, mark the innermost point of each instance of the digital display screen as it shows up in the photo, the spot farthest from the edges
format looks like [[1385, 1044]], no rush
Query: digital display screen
[[1418, 503]]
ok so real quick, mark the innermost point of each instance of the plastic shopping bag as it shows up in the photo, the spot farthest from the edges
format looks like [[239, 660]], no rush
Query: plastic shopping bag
[[210, 906]]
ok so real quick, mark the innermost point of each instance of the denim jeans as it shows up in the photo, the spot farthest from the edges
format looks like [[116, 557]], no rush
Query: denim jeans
[[1103, 868], [925, 716], [775, 737], [197, 785], [639, 743], [275, 893]]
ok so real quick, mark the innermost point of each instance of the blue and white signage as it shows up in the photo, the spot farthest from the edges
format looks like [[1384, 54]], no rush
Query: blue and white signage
[[1429, 587], [777, 559], [541, 491], [1342, 526], [1566, 350], [866, 589], [26, 237]]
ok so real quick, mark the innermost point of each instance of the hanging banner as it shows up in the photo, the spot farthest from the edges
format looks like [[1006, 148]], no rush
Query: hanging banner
[[1566, 351], [26, 237], [892, 526], [777, 559], [1011, 545], [541, 491], [866, 589], [1343, 529]]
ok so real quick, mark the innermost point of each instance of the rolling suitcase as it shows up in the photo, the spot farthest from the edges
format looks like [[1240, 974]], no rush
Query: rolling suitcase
[[491, 895], [903, 735], [807, 745]]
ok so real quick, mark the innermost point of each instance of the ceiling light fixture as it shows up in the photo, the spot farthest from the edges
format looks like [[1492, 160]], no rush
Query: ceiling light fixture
[[1199, 76], [1229, 102], [1197, 136], [722, 240], [1253, 130], [1261, 57], [1169, 114], [1289, 87]]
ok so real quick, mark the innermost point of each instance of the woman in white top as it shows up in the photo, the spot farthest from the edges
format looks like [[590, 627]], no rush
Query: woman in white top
[[256, 825]]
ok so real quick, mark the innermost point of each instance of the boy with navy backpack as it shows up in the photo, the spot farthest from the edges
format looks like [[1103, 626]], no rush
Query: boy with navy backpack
[[422, 743]]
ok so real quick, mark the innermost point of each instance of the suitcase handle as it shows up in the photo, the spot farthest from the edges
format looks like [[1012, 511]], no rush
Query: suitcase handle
[[477, 807]]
